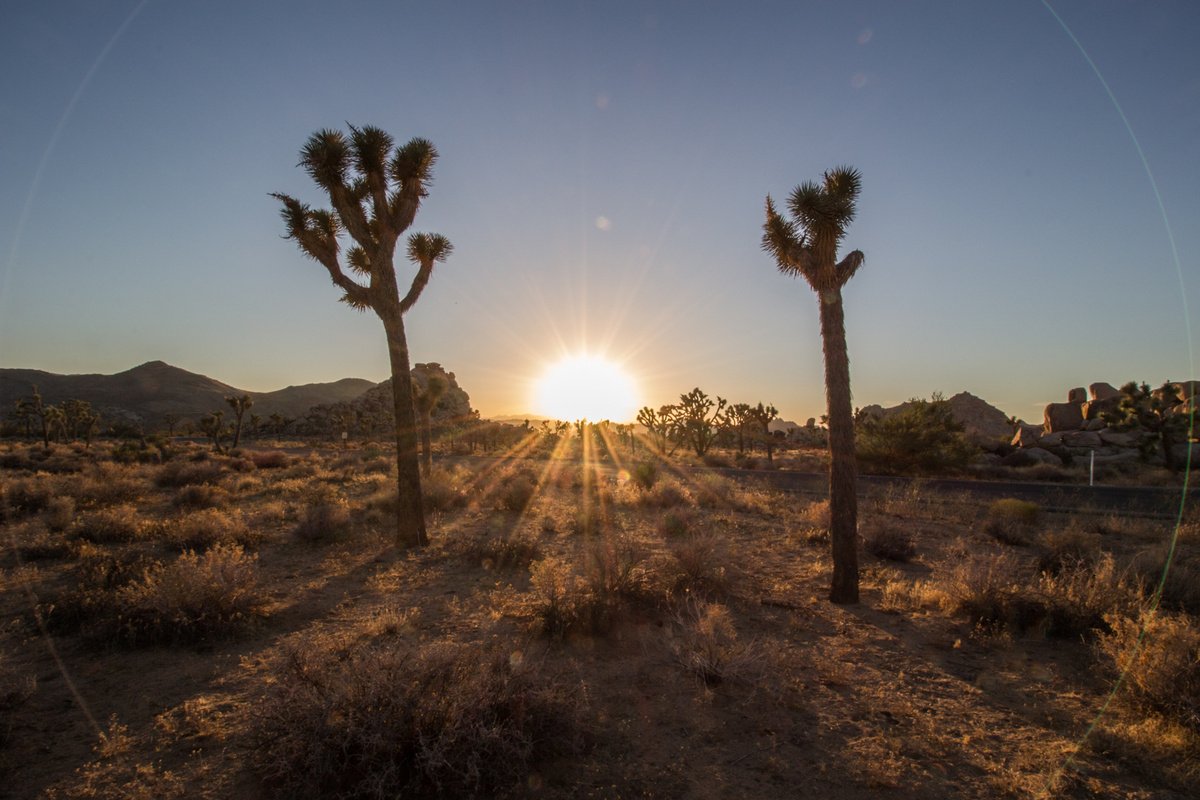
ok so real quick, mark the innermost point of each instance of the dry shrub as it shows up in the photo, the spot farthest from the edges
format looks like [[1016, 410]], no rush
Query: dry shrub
[[269, 459], [26, 496], [645, 475], [516, 493], [665, 494], [986, 587], [205, 529], [715, 491], [1159, 654], [706, 643], [91, 604], [512, 549], [889, 542], [816, 514], [1181, 589], [59, 514], [1083, 594], [16, 459], [444, 489], [196, 596], [106, 485], [200, 496], [111, 525], [1013, 509], [442, 721], [34, 543], [559, 595], [700, 565], [615, 567], [676, 523], [175, 474], [1066, 548], [325, 519]]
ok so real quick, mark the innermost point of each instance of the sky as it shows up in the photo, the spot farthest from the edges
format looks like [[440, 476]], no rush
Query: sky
[[1029, 204]]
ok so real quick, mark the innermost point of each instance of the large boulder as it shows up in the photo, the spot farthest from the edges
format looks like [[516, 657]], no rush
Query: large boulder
[[1102, 391], [1085, 439], [1077, 395], [1028, 456], [1095, 409], [1026, 436], [1063, 417], [1052, 439], [983, 424], [1118, 438], [1188, 389]]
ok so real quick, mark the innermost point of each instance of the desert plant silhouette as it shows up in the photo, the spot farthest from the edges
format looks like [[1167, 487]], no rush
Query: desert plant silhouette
[[375, 189], [807, 245]]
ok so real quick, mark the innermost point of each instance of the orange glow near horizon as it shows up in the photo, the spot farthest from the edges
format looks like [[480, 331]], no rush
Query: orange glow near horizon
[[586, 387]]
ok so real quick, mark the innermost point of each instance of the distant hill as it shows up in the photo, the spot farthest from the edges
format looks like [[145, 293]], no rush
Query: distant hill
[[148, 392]]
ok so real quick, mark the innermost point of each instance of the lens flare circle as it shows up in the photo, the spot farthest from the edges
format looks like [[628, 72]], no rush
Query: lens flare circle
[[586, 387]]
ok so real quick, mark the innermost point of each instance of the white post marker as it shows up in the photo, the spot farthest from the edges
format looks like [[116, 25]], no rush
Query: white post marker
[[345, 436], [1091, 469]]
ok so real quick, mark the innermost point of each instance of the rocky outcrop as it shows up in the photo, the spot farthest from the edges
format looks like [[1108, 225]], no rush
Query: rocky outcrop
[[1063, 417]]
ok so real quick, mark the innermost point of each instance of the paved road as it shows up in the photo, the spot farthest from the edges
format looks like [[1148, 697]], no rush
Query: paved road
[[1050, 496]]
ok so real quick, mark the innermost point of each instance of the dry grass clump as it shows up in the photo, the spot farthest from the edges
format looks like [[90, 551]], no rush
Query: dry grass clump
[[198, 595], [706, 643], [91, 603], [665, 494], [207, 528], [716, 492], [986, 587], [326, 518], [615, 567], [516, 492], [1161, 665], [106, 485], [1181, 589], [269, 459], [566, 602], [200, 496], [26, 496], [444, 720], [59, 513], [175, 474], [444, 489], [111, 525], [889, 542], [1066, 548], [674, 524], [511, 549], [1083, 594], [644, 475], [700, 566], [814, 522], [1011, 521]]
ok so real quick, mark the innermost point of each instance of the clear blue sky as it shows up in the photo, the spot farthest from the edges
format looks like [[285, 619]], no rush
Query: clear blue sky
[[1014, 241]]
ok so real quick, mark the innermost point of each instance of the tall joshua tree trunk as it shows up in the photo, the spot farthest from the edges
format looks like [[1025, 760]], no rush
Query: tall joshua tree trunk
[[806, 245], [843, 471], [410, 521], [375, 189]]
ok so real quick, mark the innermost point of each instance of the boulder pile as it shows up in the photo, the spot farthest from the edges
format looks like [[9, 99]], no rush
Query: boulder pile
[[1077, 429]]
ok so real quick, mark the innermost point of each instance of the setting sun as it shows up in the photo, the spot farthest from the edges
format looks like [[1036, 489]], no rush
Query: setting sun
[[586, 387]]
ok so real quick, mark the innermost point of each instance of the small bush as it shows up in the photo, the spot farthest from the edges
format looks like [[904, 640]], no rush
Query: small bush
[[615, 567], [986, 588], [196, 596], [1181, 590], [923, 437], [665, 494], [706, 643], [270, 459], [889, 542], [59, 514], [1161, 666], [106, 485], [90, 605], [674, 524], [516, 493], [1067, 548], [326, 519], [111, 525], [513, 549], [715, 491], [700, 566], [205, 529], [557, 591], [444, 490], [1013, 510], [442, 721], [26, 496], [175, 474], [1082, 594], [645, 475], [715, 461], [200, 496]]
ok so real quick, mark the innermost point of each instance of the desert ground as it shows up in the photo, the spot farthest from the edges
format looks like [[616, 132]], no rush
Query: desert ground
[[180, 623]]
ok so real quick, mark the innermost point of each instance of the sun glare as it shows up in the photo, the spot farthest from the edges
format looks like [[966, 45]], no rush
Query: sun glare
[[586, 387]]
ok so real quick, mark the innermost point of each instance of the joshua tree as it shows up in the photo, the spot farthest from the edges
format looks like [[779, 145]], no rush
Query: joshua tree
[[807, 245], [761, 416], [697, 427], [240, 406], [661, 426], [213, 426], [736, 420], [375, 190], [426, 399]]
